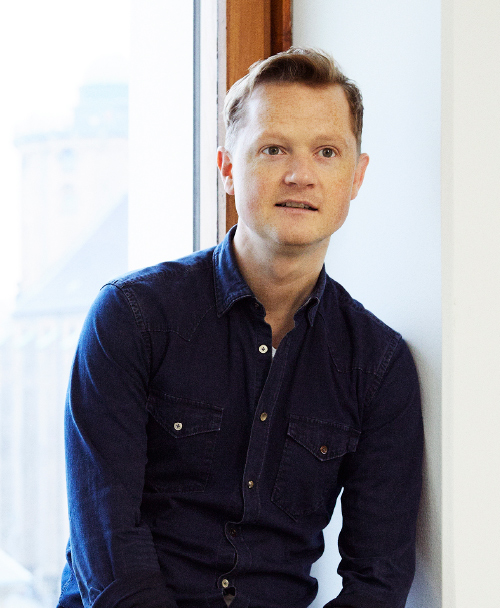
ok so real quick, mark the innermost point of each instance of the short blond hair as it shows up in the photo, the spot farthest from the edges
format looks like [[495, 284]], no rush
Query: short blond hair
[[307, 66]]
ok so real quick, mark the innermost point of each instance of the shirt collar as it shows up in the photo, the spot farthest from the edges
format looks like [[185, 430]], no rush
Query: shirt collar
[[230, 285], [311, 305]]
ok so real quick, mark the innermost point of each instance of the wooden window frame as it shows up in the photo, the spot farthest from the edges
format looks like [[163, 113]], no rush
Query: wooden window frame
[[249, 30]]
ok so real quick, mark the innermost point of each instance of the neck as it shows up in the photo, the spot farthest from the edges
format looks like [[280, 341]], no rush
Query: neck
[[281, 278]]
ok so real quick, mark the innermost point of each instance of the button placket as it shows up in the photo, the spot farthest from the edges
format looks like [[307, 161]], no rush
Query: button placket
[[264, 403]]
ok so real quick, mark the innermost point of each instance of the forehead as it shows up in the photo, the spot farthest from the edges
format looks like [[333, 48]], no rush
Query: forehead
[[294, 105]]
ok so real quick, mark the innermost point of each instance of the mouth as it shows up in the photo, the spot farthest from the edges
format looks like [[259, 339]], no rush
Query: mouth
[[297, 205]]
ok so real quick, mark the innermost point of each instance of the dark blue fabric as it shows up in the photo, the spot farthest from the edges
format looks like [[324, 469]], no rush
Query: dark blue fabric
[[177, 482]]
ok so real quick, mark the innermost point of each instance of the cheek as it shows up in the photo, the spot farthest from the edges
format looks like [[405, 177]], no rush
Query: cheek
[[339, 196], [337, 217], [340, 189], [251, 185]]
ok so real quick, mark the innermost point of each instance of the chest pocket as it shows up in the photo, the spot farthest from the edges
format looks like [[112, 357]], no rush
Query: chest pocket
[[182, 435], [307, 477]]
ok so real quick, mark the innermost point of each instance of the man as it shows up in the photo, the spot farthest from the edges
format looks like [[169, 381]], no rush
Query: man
[[219, 404]]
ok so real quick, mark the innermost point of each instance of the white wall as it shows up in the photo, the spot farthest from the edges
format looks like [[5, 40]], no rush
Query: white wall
[[387, 255], [471, 304]]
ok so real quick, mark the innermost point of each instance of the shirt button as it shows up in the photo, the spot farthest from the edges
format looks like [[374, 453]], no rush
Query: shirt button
[[263, 416], [250, 484], [263, 349], [232, 532], [323, 449], [177, 426], [225, 583]]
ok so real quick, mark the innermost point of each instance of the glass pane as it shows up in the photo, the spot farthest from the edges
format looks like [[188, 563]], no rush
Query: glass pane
[[64, 154]]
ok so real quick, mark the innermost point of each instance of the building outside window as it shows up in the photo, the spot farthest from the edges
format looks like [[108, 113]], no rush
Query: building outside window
[[64, 134], [67, 217]]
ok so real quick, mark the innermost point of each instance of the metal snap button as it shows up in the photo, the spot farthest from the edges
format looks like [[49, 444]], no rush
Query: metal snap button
[[263, 349], [225, 583], [263, 416], [323, 449], [177, 426]]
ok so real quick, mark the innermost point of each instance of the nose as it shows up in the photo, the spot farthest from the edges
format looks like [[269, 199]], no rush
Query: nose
[[300, 172]]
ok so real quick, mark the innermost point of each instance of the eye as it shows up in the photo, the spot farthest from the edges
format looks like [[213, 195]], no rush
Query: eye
[[272, 150], [327, 153]]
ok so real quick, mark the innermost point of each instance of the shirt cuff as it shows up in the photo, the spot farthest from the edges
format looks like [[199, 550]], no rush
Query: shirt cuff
[[146, 591], [352, 600]]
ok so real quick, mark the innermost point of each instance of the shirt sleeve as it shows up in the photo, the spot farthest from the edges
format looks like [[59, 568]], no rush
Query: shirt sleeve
[[382, 484], [112, 552]]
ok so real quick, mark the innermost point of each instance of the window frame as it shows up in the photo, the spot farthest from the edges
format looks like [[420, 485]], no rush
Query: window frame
[[268, 30]]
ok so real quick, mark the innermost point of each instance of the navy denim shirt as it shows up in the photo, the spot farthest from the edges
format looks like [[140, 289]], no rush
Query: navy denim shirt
[[198, 464]]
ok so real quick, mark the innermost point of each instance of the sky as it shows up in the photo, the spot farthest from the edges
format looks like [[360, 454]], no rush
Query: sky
[[46, 51]]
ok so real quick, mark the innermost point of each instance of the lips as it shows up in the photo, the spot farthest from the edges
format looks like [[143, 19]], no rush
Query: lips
[[297, 205]]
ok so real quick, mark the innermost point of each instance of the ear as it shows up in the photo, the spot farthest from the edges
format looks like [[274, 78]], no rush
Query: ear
[[226, 169], [359, 174]]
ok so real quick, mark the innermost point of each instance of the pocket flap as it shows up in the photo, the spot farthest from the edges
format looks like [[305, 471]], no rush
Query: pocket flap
[[324, 439], [183, 417]]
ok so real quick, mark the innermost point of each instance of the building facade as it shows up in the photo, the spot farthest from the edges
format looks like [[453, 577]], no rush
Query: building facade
[[74, 238]]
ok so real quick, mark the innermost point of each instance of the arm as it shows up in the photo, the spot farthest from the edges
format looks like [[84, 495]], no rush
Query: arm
[[382, 482], [112, 551]]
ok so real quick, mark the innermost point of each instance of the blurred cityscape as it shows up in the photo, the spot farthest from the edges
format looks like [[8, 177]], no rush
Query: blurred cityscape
[[74, 239]]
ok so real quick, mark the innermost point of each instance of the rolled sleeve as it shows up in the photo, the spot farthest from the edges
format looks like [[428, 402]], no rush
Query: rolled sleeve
[[141, 590], [382, 484], [112, 554]]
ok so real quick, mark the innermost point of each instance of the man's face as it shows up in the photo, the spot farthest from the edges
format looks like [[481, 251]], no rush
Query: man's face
[[294, 167]]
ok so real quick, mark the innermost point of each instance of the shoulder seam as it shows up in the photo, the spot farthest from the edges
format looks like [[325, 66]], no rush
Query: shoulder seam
[[138, 317], [382, 369]]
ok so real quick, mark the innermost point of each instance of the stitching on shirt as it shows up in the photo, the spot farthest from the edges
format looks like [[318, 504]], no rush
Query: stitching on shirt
[[346, 370], [399, 414], [162, 395], [382, 369], [187, 336], [138, 317], [284, 501]]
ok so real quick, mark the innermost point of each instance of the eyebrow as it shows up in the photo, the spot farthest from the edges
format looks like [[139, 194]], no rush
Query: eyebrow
[[339, 139], [319, 140]]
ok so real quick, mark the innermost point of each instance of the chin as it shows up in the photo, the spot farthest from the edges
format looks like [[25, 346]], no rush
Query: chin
[[301, 240]]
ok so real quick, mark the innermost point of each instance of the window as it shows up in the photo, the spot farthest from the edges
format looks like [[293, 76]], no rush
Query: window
[[64, 141]]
